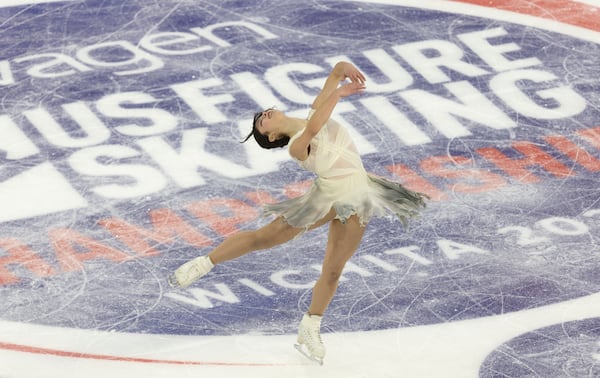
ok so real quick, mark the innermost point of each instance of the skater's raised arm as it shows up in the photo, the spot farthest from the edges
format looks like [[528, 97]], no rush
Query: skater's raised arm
[[340, 72], [325, 102]]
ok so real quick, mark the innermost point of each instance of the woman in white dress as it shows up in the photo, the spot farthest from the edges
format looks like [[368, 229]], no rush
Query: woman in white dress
[[343, 195]]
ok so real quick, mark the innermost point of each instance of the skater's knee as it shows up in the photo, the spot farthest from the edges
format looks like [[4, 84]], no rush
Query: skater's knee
[[331, 277], [257, 240]]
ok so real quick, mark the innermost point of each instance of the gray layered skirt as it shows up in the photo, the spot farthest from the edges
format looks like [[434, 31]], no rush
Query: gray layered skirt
[[363, 194]]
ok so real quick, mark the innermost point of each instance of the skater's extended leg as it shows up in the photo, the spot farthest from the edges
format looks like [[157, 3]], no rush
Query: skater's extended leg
[[239, 244], [268, 236], [234, 246]]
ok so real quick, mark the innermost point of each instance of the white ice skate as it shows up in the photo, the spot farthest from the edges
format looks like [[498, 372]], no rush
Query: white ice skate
[[309, 338], [189, 272]]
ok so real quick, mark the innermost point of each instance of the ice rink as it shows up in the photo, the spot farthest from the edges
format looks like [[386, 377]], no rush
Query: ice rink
[[120, 160]]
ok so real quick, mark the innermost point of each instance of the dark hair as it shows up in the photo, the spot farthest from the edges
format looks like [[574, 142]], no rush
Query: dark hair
[[263, 140]]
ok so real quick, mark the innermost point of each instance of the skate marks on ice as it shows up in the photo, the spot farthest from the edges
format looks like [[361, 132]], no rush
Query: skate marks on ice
[[457, 349], [570, 349]]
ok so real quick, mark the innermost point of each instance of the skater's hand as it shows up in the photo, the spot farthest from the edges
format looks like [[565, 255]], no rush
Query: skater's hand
[[351, 88], [352, 73]]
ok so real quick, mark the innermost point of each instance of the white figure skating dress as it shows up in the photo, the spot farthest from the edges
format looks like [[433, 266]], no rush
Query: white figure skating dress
[[343, 184]]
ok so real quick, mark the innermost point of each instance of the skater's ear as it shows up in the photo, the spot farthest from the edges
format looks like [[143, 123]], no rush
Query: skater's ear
[[274, 138]]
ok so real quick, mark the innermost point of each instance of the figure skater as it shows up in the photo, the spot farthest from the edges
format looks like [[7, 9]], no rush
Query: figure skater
[[343, 195]]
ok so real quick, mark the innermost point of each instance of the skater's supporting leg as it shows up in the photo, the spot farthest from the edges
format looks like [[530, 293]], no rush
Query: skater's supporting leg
[[344, 239]]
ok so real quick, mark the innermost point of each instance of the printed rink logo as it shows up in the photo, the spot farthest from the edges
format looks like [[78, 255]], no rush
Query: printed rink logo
[[121, 160]]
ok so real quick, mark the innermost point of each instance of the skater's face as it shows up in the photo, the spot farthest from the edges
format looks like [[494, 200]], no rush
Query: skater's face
[[267, 113], [266, 124], [265, 129]]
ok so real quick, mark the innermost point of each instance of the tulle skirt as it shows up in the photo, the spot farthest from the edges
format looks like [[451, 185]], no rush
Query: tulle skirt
[[363, 194]]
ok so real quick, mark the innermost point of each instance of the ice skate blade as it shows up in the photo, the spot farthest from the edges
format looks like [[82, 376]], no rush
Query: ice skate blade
[[306, 354]]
